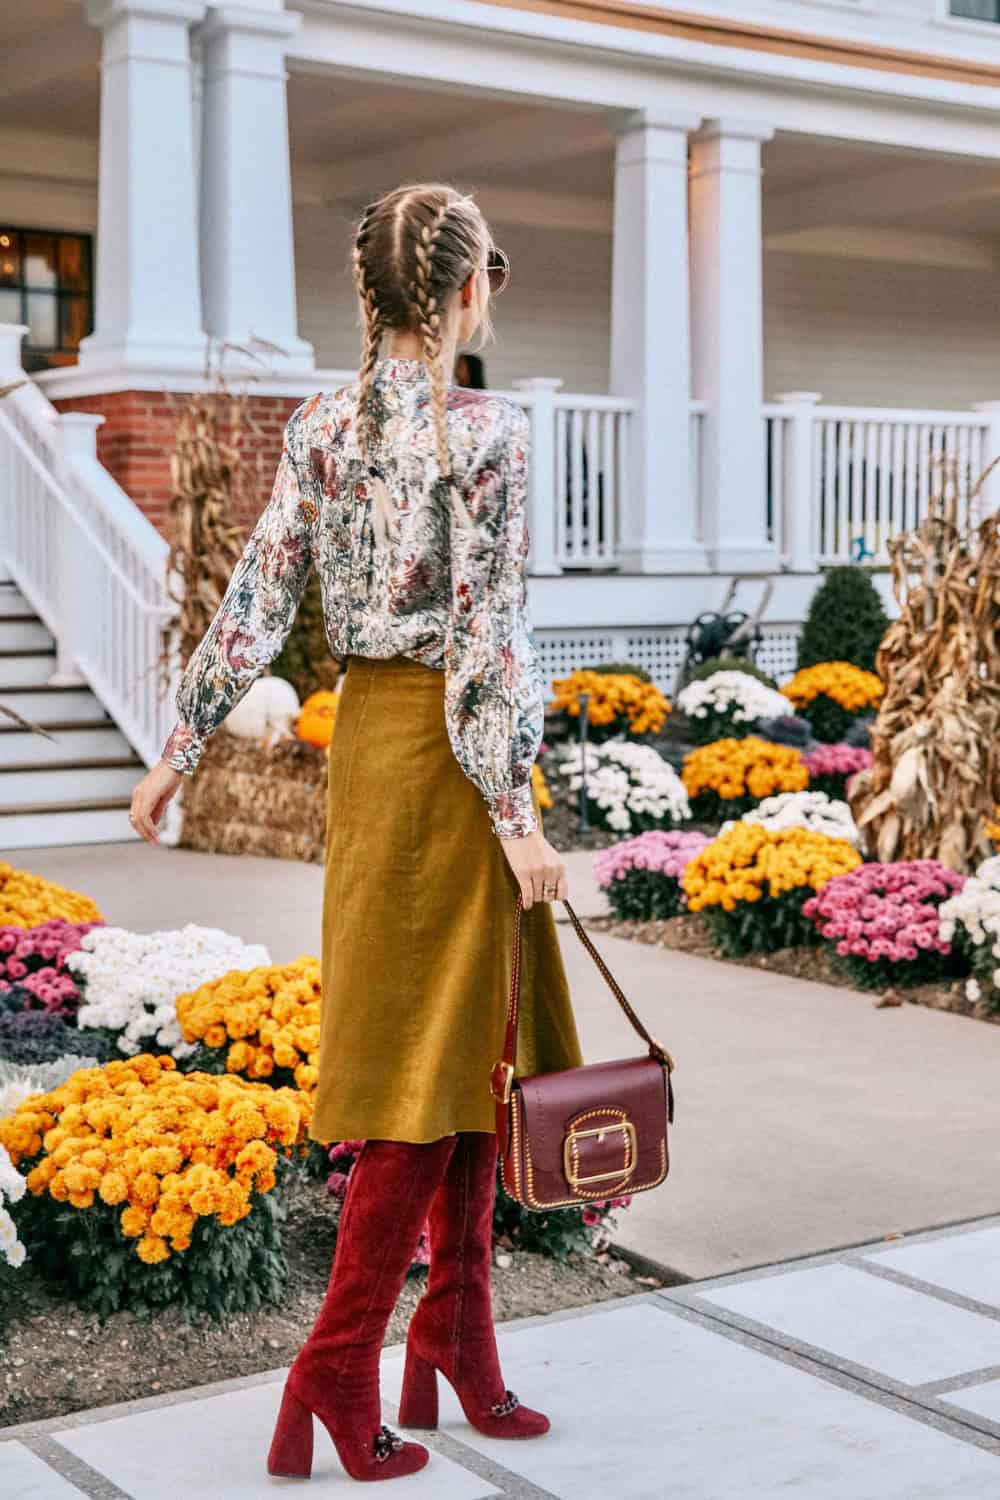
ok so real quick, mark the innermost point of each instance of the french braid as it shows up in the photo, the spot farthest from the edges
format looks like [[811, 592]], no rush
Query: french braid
[[430, 331]]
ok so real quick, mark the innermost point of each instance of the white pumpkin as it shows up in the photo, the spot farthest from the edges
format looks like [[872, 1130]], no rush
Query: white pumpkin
[[267, 710]]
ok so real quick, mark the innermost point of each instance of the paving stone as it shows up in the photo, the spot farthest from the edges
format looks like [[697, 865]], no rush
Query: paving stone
[[645, 1405], [217, 1447], [983, 1400], [967, 1263], [25, 1476], [905, 1334]]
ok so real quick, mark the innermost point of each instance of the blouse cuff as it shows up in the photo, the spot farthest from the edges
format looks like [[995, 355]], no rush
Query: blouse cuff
[[184, 748], [513, 813]]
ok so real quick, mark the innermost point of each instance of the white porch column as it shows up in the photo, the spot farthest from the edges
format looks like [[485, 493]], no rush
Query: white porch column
[[650, 349], [728, 339], [247, 250], [148, 300]]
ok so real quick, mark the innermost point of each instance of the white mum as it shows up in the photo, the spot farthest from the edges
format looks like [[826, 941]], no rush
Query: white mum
[[628, 782], [736, 694], [976, 908], [11, 1191], [132, 979], [813, 810]]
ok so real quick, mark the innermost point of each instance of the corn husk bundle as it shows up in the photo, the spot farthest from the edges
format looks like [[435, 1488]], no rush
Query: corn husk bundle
[[935, 776], [248, 799]]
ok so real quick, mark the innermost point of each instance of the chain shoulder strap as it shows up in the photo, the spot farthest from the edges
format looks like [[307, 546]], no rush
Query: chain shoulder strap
[[502, 1076]]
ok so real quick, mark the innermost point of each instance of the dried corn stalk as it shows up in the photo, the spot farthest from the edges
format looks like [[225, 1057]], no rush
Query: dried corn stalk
[[935, 775]]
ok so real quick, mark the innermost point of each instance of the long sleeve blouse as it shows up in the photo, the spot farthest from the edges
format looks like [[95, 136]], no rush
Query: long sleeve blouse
[[441, 592]]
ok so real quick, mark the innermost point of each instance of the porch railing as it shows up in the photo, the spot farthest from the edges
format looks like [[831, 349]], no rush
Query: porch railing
[[86, 558], [840, 480]]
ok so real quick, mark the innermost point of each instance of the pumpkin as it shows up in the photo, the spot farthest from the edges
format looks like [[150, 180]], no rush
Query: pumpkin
[[265, 711], [317, 717]]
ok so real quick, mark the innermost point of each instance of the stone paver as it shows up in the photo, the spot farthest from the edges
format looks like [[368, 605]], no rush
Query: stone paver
[[806, 1119], [696, 1393]]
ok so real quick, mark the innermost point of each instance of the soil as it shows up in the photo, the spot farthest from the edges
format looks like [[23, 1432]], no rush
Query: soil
[[55, 1359], [690, 933]]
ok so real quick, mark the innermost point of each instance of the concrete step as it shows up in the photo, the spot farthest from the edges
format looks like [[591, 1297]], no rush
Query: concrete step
[[56, 705], [40, 785], [13, 602], [26, 668], [103, 821], [75, 742], [24, 633]]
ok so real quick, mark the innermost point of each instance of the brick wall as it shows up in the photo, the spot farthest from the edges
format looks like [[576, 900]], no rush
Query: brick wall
[[138, 435]]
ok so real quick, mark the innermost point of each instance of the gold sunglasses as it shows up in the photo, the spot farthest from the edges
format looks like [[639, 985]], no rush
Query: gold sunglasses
[[498, 270]]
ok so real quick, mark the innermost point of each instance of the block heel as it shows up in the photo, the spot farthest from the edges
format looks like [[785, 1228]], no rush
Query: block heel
[[418, 1405], [292, 1445]]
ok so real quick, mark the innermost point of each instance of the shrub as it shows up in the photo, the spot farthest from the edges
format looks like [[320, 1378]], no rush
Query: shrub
[[831, 767], [970, 919], [751, 883], [629, 787], [885, 922], [36, 1036], [28, 900], [832, 695], [846, 621], [131, 980], [727, 704], [262, 1024], [813, 810], [729, 777], [642, 875], [617, 704], [33, 958], [715, 664], [147, 1186], [623, 669]]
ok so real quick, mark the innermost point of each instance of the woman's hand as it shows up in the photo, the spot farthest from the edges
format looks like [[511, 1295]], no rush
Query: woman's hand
[[151, 797], [540, 870]]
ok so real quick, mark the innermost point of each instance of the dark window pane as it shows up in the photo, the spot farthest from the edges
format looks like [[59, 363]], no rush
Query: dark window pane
[[40, 260], [976, 10], [75, 321], [43, 320], [10, 258], [10, 306], [74, 263]]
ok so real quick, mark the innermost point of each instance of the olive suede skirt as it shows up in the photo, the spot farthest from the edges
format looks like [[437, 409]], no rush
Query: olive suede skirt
[[418, 925]]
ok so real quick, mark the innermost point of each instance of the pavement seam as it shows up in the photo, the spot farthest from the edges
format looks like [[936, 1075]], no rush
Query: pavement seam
[[871, 1385], [984, 1376], [91, 1482], [927, 1288]]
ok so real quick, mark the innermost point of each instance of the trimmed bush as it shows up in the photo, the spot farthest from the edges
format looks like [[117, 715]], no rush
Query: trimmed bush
[[846, 621]]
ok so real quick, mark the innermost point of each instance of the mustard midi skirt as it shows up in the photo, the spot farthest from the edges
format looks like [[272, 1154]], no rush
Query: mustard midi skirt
[[418, 915]]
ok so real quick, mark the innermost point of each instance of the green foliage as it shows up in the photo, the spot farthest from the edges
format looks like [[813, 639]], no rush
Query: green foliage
[[831, 723], [305, 658], [846, 622], [82, 1254], [622, 669], [729, 664], [763, 926], [645, 896], [557, 1232]]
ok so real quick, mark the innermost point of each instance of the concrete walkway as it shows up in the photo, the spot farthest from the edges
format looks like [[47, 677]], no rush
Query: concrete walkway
[[873, 1375], [806, 1119]]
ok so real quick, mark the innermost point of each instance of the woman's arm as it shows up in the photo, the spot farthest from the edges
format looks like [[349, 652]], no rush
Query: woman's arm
[[256, 613]]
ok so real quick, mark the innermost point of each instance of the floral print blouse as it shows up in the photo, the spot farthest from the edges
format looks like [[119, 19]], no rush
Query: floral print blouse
[[449, 595]]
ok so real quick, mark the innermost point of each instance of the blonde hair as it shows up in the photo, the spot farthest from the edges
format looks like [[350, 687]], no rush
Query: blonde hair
[[413, 249]]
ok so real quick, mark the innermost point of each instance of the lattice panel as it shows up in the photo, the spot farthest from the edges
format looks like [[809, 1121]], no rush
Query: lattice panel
[[659, 651], [778, 652], [562, 652]]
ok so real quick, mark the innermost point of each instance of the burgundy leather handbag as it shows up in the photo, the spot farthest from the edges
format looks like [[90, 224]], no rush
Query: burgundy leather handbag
[[582, 1134]]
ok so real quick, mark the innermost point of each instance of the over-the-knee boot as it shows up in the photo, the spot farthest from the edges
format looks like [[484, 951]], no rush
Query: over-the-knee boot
[[336, 1373], [452, 1328]]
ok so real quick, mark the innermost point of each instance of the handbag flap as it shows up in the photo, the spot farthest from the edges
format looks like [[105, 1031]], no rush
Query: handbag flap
[[595, 1131]]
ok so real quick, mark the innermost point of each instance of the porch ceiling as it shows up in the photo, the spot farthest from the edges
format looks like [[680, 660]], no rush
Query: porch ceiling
[[49, 60]]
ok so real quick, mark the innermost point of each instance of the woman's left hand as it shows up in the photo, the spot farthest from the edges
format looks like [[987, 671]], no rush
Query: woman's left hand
[[150, 798]]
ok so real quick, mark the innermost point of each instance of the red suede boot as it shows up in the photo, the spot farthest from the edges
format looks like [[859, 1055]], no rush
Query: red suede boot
[[336, 1373], [452, 1328]]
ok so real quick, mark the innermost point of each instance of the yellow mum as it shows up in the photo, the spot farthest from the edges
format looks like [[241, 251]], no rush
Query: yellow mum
[[265, 1018], [541, 787], [28, 900], [615, 699], [751, 767], [751, 863], [847, 685]]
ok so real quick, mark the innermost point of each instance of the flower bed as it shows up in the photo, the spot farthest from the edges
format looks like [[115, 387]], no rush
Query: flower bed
[[831, 767], [131, 980], [629, 787], [814, 810], [885, 922], [730, 776], [28, 900], [34, 960], [618, 703], [263, 1024], [832, 696], [641, 876], [170, 1176], [728, 704], [752, 883]]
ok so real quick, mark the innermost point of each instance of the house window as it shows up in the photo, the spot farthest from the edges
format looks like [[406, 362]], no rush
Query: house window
[[46, 282], [976, 10]]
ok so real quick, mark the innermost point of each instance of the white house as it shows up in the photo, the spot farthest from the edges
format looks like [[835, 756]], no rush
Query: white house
[[756, 261]]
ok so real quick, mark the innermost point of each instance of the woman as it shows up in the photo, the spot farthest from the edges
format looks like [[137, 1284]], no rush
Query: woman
[[409, 498]]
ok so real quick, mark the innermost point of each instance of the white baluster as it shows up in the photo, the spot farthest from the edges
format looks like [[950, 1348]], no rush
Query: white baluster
[[543, 495], [797, 541], [989, 495]]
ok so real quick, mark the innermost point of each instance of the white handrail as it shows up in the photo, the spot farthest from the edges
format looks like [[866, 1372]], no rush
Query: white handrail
[[88, 561]]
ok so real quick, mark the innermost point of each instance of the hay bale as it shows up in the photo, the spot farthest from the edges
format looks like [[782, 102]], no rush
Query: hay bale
[[246, 798]]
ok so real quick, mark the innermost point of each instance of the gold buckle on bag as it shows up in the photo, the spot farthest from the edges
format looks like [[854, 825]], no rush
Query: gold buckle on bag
[[629, 1144]]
